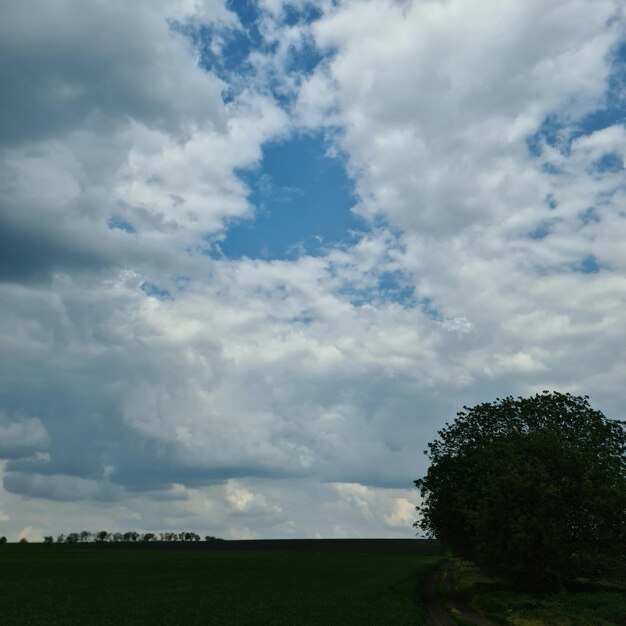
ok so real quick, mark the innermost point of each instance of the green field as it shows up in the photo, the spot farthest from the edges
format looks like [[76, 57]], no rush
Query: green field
[[63, 585]]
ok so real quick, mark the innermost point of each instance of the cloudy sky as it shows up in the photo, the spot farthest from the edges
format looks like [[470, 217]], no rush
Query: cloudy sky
[[253, 254]]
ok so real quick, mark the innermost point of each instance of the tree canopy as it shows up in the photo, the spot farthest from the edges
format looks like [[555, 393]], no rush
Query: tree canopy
[[532, 488]]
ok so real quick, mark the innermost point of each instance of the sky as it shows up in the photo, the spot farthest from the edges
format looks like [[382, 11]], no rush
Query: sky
[[254, 254]]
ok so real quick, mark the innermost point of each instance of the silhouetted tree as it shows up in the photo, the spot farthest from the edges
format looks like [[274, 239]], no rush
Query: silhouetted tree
[[531, 488]]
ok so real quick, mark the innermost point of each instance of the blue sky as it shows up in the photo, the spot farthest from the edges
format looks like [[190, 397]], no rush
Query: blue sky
[[301, 195], [302, 201], [611, 110], [271, 247]]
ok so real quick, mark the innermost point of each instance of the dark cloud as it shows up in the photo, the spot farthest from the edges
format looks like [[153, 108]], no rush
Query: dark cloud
[[21, 436], [60, 487], [81, 83], [66, 65], [31, 250]]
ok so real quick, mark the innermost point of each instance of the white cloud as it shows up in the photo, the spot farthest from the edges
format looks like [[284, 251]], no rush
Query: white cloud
[[402, 513], [183, 412], [243, 532], [242, 500], [436, 106], [394, 508], [29, 533]]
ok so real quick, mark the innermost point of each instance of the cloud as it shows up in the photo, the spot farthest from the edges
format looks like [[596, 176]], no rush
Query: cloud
[[435, 107], [402, 513], [108, 116], [67, 65], [21, 436], [58, 487], [242, 533], [244, 501], [265, 397], [29, 533]]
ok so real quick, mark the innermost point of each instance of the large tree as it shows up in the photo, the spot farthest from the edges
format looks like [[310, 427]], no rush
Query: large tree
[[532, 488]]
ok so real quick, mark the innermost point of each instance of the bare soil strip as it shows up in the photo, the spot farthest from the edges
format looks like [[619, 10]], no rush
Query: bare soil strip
[[436, 612], [438, 609]]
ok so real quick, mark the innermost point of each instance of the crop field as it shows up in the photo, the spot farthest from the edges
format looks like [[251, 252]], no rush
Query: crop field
[[87, 585]]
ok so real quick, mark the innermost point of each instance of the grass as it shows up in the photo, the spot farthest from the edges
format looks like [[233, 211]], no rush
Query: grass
[[459, 619], [494, 598], [56, 585]]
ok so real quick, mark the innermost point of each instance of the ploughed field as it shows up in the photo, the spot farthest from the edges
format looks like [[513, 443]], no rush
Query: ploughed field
[[309, 582]]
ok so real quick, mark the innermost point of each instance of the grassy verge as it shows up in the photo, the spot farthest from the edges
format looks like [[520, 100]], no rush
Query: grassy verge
[[55, 585], [494, 598]]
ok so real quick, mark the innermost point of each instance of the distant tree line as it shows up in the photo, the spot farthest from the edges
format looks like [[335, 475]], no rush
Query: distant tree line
[[132, 536]]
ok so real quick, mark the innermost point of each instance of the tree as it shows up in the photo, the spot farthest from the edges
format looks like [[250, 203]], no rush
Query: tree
[[48, 539], [532, 488], [3, 540]]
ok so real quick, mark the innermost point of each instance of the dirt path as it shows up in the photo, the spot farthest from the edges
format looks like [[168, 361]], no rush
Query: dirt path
[[438, 609], [436, 612]]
